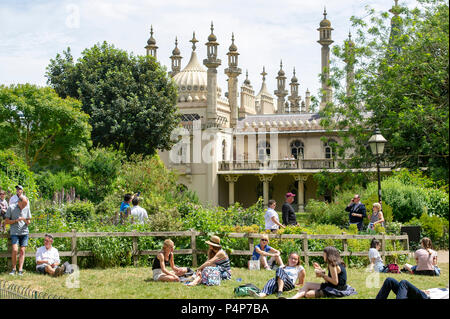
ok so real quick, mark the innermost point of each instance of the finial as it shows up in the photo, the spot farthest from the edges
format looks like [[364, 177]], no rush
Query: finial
[[281, 64], [247, 81], [176, 41], [212, 27], [263, 73], [232, 37], [294, 70], [151, 29], [324, 12], [194, 41]]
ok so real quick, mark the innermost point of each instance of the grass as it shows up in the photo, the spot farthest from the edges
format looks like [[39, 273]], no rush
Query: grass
[[137, 283]]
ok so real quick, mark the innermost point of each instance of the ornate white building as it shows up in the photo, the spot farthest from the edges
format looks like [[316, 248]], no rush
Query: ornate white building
[[244, 145]]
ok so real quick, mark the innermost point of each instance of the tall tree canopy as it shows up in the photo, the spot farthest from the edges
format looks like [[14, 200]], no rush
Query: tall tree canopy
[[400, 62], [43, 127], [130, 99]]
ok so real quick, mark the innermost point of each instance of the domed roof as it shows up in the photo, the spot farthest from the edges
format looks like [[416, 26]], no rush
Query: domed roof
[[193, 77], [325, 23], [176, 51]]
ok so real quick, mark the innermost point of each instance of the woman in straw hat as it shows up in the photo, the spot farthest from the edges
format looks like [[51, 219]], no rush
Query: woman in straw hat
[[218, 261]]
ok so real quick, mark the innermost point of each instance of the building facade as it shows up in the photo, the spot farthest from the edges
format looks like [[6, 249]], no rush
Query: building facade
[[242, 145]]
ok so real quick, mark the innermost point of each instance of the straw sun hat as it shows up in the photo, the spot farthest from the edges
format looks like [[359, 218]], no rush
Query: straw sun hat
[[214, 241]]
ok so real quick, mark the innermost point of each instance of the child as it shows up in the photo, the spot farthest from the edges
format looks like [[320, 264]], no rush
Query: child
[[3, 208], [125, 208], [262, 250], [285, 278], [335, 284]]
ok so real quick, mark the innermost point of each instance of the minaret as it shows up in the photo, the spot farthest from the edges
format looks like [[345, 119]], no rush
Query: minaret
[[307, 101], [212, 63], [396, 27], [233, 72], [176, 60], [294, 98], [264, 98], [151, 44], [325, 40], [350, 64], [247, 98], [281, 92]]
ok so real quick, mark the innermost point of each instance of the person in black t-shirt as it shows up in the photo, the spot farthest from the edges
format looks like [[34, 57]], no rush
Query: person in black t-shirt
[[288, 215]]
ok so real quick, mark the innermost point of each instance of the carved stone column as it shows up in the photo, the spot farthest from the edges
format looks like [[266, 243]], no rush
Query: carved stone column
[[301, 179], [231, 179], [265, 179]]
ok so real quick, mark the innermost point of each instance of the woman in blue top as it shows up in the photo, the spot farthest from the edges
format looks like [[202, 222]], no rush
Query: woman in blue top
[[263, 250]]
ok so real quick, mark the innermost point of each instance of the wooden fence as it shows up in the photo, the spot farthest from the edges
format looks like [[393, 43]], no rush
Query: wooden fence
[[75, 253]]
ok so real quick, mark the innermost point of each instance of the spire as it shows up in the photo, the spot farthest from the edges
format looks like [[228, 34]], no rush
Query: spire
[[294, 78], [193, 41], [151, 44], [212, 37], [263, 73], [247, 81], [176, 59], [281, 72]]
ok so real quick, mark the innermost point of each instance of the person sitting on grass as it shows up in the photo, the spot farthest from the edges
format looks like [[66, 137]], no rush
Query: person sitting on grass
[[406, 290], [335, 284], [218, 263], [162, 261], [376, 263], [262, 250], [285, 278], [47, 259], [426, 259]]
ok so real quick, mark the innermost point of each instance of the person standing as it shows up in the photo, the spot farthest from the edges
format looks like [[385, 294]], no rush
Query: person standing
[[19, 217], [137, 212], [288, 212], [357, 212], [15, 198], [376, 217], [3, 208], [125, 208], [271, 219]]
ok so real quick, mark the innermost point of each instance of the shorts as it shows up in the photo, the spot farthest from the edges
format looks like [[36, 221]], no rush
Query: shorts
[[157, 273], [22, 240]]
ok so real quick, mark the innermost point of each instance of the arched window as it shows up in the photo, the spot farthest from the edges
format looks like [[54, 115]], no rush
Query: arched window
[[297, 149], [329, 149], [263, 150]]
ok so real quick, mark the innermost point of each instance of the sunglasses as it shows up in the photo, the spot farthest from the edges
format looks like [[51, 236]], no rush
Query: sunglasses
[[264, 240]]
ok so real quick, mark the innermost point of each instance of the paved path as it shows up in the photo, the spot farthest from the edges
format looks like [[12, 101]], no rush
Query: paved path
[[442, 256]]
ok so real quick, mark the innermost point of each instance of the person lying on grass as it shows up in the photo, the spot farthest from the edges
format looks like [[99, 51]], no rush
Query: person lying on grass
[[406, 290], [335, 284], [216, 268], [263, 250], [162, 261], [285, 278]]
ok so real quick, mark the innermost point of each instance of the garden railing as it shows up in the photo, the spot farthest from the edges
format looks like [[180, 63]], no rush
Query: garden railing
[[10, 290], [136, 252]]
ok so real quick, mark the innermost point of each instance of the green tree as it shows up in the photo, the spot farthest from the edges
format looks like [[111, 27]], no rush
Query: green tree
[[46, 129], [400, 61], [130, 99]]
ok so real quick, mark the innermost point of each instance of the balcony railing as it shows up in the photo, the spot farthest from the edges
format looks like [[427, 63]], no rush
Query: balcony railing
[[289, 164]]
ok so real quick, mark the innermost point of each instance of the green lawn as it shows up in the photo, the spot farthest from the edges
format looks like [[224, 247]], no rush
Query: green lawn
[[130, 282]]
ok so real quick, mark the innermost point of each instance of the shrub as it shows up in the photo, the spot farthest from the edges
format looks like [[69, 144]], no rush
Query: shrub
[[324, 213], [79, 211], [49, 183], [434, 227]]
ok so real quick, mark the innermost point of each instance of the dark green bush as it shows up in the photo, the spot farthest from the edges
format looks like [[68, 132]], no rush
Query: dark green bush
[[81, 211], [434, 227]]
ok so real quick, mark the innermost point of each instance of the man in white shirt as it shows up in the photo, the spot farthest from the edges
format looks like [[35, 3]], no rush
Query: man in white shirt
[[137, 212], [47, 259], [271, 220]]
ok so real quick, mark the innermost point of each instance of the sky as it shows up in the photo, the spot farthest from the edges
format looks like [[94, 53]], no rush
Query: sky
[[33, 31]]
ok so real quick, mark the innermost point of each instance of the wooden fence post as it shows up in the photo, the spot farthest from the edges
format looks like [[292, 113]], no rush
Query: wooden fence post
[[194, 248], [383, 248], [251, 244], [305, 249], [74, 247], [135, 249], [345, 246]]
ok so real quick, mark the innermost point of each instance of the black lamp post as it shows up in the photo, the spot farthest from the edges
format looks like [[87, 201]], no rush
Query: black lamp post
[[376, 143]]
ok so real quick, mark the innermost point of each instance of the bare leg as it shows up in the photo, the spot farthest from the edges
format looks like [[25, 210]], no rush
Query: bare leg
[[168, 278], [263, 261], [181, 271], [15, 250], [21, 257], [307, 287], [50, 270], [279, 261], [196, 281]]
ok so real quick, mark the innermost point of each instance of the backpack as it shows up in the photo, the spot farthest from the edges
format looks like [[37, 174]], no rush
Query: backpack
[[244, 290], [393, 268], [211, 276]]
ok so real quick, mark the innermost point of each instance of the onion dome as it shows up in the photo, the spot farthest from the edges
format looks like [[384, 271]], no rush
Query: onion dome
[[176, 51], [281, 72], [325, 22], [233, 47], [294, 78], [151, 40], [212, 37]]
